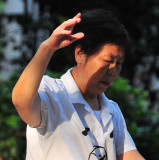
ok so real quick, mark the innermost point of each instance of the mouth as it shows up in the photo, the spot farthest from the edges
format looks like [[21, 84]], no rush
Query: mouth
[[105, 83]]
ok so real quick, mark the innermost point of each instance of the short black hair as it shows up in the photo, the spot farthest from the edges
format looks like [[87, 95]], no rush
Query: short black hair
[[100, 27]]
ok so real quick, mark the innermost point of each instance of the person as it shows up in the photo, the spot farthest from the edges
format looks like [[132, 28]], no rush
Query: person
[[71, 118]]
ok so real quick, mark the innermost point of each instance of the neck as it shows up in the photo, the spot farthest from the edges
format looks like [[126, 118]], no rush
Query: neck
[[92, 99], [78, 77], [93, 102]]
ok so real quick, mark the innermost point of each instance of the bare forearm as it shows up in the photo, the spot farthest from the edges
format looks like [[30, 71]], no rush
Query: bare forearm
[[26, 88], [130, 155]]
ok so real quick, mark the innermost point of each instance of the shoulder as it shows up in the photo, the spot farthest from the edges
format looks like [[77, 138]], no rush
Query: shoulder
[[47, 80], [115, 110], [51, 89], [113, 107], [49, 83], [55, 83]]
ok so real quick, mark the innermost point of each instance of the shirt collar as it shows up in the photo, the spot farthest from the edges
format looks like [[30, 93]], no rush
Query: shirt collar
[[71, 87], [107, 109], [106, 104]]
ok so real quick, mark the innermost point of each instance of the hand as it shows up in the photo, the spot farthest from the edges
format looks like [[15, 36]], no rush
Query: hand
[[62, 35]]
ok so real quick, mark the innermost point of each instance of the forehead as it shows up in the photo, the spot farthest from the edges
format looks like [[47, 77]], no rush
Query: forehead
[[111, 51]]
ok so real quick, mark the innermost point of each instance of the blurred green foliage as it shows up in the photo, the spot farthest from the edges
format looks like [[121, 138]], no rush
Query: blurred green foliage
[[1, 5], [142, 123], [12, 134]]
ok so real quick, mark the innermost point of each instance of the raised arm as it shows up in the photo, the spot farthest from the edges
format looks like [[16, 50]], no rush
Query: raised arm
[[24, 95]]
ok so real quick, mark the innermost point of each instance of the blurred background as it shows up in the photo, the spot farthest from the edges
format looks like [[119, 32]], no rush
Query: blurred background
[[24, 24]]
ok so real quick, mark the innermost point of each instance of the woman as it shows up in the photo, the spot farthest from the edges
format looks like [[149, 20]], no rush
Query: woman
[[70, 118]]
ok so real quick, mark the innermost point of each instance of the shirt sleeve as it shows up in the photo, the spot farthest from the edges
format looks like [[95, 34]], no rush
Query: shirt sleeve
[[123, 140], [49, 106], [44, 109]]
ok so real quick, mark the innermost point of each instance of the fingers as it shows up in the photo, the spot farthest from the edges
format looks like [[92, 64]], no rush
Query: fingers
[[78, 17], [66, 29], [71, 22], [65, 32], [77, 36]]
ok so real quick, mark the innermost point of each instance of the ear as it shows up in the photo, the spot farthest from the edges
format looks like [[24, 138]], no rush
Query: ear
[[80, 56]]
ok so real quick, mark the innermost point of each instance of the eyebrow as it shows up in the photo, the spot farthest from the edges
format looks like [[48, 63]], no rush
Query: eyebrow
[[121, 58]]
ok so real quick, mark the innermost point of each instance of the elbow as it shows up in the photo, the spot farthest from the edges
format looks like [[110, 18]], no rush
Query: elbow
[[21, 100], [18, 99], [15, 99]]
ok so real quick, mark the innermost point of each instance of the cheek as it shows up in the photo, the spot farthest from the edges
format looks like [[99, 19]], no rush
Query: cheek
[[95, 75], [96, 71], [119, 70], [103, 70]]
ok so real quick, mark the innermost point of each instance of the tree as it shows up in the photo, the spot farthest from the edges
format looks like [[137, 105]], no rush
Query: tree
[[12, 135], [142, 122]]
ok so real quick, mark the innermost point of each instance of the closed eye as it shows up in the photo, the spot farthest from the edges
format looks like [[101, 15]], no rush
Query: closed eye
[[109, 61], [120, 63]]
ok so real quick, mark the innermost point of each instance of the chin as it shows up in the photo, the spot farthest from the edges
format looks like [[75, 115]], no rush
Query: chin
[[98, 90], [101, 91]]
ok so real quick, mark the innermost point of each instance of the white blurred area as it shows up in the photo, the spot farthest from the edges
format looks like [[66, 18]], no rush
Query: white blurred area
[[13, 32]]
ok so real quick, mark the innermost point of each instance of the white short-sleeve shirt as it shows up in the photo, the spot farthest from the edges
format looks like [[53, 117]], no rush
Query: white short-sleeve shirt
[[70, 129]]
